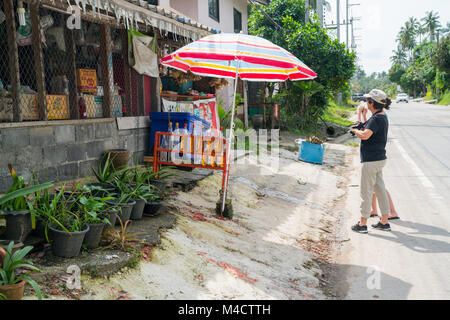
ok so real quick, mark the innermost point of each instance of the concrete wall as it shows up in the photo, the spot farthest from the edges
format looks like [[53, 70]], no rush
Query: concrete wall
[[198, 10], [187, 7], [65, 150]]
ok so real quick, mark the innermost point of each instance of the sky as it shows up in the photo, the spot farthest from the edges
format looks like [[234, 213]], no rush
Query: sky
[[380, 23]]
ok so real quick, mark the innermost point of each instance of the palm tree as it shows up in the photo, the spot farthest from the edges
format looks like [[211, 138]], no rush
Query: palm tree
[[414, 25], [431, 23], [446, 30], [407, 36], [399, 57], [421, 32]]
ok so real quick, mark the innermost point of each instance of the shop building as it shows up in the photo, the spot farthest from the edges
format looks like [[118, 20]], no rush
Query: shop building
[[69, 91]]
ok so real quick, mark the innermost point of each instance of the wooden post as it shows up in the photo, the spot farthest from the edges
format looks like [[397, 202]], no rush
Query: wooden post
[[264, 104], [126, 72], [246, 103], [107, 70], [38, 60], [72, 73], [155, 84], [13, 55]]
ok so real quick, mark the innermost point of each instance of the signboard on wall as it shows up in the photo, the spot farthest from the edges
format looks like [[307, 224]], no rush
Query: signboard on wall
[[87, 80]]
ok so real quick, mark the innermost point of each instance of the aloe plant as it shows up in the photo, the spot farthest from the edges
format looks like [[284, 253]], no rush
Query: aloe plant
[[106, 172], [15, 260]]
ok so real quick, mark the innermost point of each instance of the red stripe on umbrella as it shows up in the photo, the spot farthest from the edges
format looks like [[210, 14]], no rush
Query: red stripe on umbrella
[[217, 72]]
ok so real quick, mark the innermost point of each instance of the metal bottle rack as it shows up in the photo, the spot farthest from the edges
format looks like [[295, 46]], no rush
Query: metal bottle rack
[[217, 154]]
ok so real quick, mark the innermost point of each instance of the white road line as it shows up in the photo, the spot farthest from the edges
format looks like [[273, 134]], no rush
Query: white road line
[[417, 171]]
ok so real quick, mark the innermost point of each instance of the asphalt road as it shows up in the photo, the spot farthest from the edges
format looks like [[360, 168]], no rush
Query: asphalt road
[[413, 260]]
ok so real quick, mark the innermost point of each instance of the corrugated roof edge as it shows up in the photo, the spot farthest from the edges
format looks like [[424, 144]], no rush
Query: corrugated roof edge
[[173, 14]]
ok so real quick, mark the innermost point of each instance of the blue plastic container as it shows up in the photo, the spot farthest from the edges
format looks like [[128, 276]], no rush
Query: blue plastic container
[[312, 153], [160, 123]]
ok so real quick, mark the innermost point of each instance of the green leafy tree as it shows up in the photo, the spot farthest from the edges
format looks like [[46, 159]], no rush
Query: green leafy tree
[[310, 43], [442, 58], [396, 72]]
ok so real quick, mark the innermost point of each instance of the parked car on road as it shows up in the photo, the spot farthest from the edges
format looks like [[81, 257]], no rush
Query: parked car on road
[[358, 97], [402, 97]]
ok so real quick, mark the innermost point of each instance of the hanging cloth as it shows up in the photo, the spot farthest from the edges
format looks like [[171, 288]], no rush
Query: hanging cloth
[[145, 58]]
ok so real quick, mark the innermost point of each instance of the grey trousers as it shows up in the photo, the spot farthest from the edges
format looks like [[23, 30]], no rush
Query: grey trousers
[[372, 181]]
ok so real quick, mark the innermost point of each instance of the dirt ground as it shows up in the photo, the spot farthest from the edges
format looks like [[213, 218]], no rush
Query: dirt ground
[[280, 244]]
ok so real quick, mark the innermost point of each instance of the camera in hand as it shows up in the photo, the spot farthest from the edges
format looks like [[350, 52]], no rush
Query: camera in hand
[[358, 125]]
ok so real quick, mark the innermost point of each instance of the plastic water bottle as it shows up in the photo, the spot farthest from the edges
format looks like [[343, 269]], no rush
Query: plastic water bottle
[[185, 145], [163, 156], [197, 144], [169, 142], [203, 146], [175, 156], [207, 144]]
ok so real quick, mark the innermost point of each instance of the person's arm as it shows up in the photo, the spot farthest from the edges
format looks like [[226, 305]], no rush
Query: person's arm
[[370, 128], [363, 134], [359, 113]]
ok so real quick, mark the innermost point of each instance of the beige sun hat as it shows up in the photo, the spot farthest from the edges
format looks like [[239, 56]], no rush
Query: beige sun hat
[[377, 95]]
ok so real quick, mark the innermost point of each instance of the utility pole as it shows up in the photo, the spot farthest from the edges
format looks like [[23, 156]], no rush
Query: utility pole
[[306, 11], [320, 11], [338, 20], [353, 36], [437, 72], [346, 21]]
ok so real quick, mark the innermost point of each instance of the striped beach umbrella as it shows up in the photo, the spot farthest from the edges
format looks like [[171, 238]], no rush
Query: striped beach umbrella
[[238, 56]]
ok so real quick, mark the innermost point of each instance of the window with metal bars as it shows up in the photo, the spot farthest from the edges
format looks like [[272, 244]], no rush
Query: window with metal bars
[[213, 9], [237, 21]]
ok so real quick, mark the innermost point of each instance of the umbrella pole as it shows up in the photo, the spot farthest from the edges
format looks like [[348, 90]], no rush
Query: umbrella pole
[[227, 171]]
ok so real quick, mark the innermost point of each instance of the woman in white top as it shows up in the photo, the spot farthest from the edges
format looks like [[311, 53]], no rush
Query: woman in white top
[[362, 112]]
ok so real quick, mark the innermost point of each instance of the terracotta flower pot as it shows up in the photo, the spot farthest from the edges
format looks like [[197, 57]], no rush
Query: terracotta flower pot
[[13, 291], [2, 256], [119, 157]]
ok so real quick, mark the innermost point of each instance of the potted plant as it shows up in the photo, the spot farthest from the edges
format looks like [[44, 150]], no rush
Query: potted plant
[[124, 200], [311, 150], [105, 174], [91, 210], [68, 239], [48, 207], [157, 178], [16, 210], [140, 195], [63, 225], [119, 157], [153, 204], [109, 211], [12, 284]]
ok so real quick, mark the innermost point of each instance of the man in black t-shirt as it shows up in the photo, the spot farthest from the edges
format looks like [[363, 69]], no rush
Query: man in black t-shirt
[[373, 158]]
